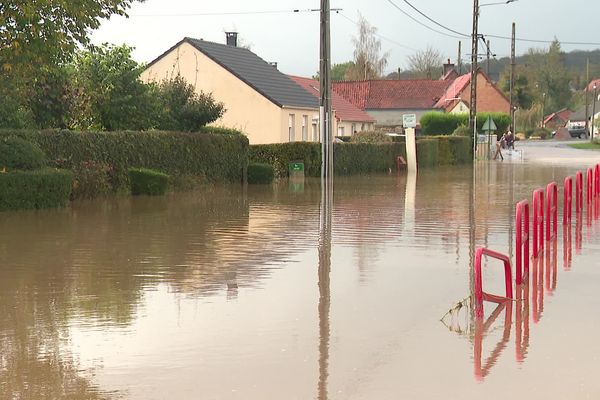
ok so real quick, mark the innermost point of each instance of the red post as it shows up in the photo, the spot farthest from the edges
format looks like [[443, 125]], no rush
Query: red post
[[589, 186], [479, 294], [522, 241], [597, 180], [568, 200], [551, 210], [578, 193], [538, 221]]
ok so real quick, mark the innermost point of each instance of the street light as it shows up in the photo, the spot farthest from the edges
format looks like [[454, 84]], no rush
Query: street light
[[474, 68], [543, 107]]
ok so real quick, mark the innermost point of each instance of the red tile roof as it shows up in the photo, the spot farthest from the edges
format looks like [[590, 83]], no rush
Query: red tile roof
[[392, 94], [344, 110], [453, 91], [562, 115]]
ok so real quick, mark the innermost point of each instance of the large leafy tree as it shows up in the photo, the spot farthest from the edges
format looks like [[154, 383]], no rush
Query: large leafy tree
[[38, 32]]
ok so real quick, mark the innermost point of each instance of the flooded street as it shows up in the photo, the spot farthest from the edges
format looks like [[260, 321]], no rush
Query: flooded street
[[233, 293]]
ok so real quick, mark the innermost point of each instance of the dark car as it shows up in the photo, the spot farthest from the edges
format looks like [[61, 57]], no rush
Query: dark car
[[577, 132]]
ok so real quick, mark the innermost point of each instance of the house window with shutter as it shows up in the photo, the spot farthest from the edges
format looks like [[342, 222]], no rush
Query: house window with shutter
[[291, 127]]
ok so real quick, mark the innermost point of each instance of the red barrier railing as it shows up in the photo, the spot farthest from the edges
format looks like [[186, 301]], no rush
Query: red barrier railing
[[480, 295], [578, 193], [522, 241], [538, 221], [589, 186], [551, 210], [567, 200], [597, 180], [481, 370]]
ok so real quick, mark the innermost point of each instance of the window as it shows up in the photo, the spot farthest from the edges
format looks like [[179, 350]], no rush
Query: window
[[340, 131], [315, 128], [353, 129], [305, 128], [291, 127]]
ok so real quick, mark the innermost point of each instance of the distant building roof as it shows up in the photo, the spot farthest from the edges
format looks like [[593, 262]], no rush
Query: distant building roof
[[392, 94], [453, 91], [255, 72], [562, 115], [344, 110]]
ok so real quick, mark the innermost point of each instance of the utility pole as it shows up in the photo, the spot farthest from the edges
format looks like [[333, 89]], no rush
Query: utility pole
[[512, 78], [459, 59], [487, 67], [325, 90], [473, 108], [587, 82]]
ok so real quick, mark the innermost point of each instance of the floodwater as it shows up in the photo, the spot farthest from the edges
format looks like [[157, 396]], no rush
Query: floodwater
[[266, 293]]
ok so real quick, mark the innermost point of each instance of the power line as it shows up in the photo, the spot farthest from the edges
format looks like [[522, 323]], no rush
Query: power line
[[545, 41], [422, 24], [213, 14], [378, 35], [432, 20]]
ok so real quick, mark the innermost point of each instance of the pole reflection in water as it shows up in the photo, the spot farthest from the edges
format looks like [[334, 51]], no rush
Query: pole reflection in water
[[551, 265], [567, 247], [537, 288], [522, 322], [481, 370], [578, 233], [324, 283]]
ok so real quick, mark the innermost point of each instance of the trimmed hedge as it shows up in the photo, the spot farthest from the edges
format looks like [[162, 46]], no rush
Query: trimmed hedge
[[18, 153], [147, 181], [437, 123], [212, 157], [350, 158], [443, 150], [259, 173], [43, 188]]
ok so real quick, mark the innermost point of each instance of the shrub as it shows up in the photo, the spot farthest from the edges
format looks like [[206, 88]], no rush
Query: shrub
[[206, 156], [370, 137], [260, 173], [542, 133], [443, 150], [92, 179], [437, 123], [43, 188], [18, 153], [463, 130], [147, 181]]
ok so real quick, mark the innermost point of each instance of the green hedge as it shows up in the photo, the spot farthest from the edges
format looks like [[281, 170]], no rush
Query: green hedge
[[260, 173], [18, 153], [437, 123], [211, 157], [147, 181], [349, 158], [43, 188], [443, 150]]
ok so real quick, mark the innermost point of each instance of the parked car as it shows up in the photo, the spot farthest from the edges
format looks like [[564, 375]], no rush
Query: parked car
[[577, 132]]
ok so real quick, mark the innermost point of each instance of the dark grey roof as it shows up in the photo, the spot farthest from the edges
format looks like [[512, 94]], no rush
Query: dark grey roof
[[257, 73], [579, 114]]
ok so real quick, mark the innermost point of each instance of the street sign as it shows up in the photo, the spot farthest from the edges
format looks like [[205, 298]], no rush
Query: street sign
[[489, 125], [409, 120]]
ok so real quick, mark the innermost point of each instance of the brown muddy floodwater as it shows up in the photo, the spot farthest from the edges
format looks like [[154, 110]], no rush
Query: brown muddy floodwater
[[229, 293]]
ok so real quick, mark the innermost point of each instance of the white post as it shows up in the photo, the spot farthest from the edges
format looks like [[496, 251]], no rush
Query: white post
[[411, 150]]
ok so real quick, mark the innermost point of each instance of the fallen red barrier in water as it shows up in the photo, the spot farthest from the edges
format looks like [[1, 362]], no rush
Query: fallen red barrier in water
[[480, 295]]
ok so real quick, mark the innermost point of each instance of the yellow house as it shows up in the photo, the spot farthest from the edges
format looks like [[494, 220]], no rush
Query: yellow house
[[259, 100]]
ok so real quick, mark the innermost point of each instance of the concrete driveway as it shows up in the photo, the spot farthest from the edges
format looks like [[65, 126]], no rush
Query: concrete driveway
[[556, 152]]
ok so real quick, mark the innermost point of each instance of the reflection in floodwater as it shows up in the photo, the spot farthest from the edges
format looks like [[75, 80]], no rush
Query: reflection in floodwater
[[326, 207]]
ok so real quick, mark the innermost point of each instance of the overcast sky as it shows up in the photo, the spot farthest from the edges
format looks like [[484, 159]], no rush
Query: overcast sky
[[292, 39]]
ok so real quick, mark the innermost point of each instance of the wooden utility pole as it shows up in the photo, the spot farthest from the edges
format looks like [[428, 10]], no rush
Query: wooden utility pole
[[325, 87], [474, 68], [587, 82], [487, 67], [512, 78], [459, 59]]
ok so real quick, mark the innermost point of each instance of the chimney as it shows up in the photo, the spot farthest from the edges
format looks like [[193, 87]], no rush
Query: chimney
[[447, 68], [273, 64], [231, 38]]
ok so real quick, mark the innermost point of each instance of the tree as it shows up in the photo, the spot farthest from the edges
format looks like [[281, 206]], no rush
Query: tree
[[338, 71], [182, 109], [38, 32], [369, 63], [426, 64], [109, 94]]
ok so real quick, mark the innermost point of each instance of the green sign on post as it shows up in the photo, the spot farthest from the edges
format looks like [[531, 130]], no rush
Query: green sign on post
[[296, 166]]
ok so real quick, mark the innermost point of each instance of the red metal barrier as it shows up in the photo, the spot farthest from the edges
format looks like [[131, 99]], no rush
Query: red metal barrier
[[589, 186], [597, 180], [551, 210], [538, 221], [480, 295], [522, 241], [567, 200], [578, 193]]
